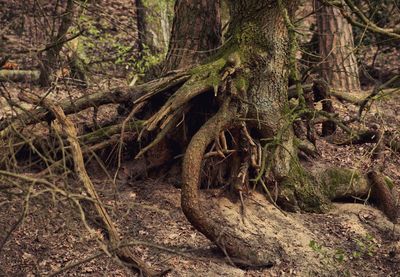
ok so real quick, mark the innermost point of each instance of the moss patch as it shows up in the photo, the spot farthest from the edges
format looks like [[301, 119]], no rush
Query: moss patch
[[343, 182], [306, 191]]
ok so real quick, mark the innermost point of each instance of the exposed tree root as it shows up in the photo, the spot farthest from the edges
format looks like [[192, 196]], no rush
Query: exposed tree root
[[188, 91], [383, 197], [243, 249], [321, 93], [169, 123], [119, 95]]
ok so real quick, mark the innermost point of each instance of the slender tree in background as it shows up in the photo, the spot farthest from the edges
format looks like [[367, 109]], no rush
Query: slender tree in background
[[153, 24], [336, 48], [49, 58], [196, 30]]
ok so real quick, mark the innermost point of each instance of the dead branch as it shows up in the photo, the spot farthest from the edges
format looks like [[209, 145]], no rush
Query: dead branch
[[174, 120], [19, 75], [378, 89], [188, 91], [368, 24], [373, 135], [69, 129], [345, 96], [117, 95], [364, 22]]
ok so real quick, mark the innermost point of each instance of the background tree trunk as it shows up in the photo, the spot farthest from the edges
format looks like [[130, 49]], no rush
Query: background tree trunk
[[49, 60], [336, 48], [196, 30], [153, 24]]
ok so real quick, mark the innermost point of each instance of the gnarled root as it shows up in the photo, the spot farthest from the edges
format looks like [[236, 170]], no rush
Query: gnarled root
[[233, 238], [382, 196]]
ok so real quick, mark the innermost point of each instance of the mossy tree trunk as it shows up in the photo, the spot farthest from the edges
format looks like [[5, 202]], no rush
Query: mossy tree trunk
[[249, 76], [255, 88], [49, 59]]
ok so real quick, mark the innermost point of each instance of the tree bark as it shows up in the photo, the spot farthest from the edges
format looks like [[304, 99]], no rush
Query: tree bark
[[336, 48], [196, 32], [264, 44], [153, 24], [49, 60], [257, 67]]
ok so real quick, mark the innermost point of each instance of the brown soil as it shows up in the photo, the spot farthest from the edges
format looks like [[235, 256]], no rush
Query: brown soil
[[350, 240]]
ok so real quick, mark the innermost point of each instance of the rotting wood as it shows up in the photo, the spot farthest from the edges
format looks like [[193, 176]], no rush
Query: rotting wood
[[79, 166], [19, 75]]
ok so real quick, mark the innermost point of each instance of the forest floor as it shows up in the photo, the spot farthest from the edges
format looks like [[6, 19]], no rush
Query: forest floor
[[350, 240]]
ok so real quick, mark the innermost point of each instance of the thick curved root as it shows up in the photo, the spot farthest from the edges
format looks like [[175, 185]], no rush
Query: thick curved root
[[188, 91], [234, 241]]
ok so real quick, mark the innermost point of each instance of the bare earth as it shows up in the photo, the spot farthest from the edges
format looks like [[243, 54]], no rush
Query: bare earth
[[350, 240]]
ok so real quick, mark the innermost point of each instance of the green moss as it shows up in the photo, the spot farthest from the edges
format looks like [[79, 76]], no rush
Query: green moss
[[389, 182], [251, 34], [136, 125], [306, 191], [314, 193], [343, 182], [250, 39], [241, 83], [208, 69]]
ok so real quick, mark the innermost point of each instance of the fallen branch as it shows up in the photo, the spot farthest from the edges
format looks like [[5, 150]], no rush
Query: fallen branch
[[69, 130], [377, 90], [117, 95], [19, 75], [345, 96], [374, 136]]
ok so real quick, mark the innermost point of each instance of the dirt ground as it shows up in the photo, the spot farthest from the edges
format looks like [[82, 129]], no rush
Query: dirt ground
[[350, 240]]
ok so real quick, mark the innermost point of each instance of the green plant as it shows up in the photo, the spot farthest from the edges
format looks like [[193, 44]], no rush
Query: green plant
[[331, 258], [366, 246]]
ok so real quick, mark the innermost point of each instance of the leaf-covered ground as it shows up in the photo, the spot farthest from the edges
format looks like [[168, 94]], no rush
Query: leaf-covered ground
[[350, 240]]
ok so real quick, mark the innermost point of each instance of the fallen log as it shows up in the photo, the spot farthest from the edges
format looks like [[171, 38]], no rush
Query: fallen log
[[19, 75]]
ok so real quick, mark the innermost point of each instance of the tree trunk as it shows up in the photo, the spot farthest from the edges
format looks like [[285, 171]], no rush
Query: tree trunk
[[336, 48], [49, 60], [265, 50], [257, 69], [196, 31], [153, 24]]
